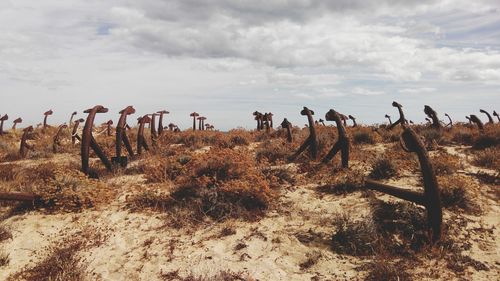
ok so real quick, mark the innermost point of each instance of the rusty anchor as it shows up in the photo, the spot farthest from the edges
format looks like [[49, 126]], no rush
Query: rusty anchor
[[312, 140], [342, 143], [18, 196], [2, 120], [194, 115], [430, 198], [474, 119], [160, 121], [74, 133], [258, 117], [402, 119], [17, 121], [25, 146], [56, 141], [450, 124], [46, 115], [88, 140], [109, 126], [201, 123], [270, 119], [121, 136], [431, 113], [288, 126], [490, 119], [141, 140], [154, 133], [71, 118], [354, 124], [389, 118]]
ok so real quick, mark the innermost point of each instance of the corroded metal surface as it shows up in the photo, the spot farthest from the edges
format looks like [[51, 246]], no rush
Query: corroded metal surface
[[312, 141], [342, 143], [88, 140]]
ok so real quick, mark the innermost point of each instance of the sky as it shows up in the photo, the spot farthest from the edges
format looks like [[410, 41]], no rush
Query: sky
[[227, 58]]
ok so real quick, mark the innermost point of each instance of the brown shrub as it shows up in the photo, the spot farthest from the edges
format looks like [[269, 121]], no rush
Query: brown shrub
[[9, 172], [490, 137], [357, 238], [463, 136], [382, 268], [445, 164], [273, 151], [383, 168], [488, 158], [343, 181], [62, 188], [457, 193], [62, 262], [364, 135], [160, 169], [221, 183]]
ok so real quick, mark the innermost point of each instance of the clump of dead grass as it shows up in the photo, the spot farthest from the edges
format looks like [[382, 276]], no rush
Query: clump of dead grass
[[343, 182], [364, 135], [457, 193], [220, 184], [357, 238], [445, 163], [488, 158], [60, 188], [224, 275], [383, 168], [490, 137], [163, 169], [272, 151], [62, 261]]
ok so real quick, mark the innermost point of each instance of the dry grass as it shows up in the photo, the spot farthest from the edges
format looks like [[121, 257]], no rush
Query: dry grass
[[60, 187], [383, 168], [343, 182], [364, 135], [383, 268], [357, 238], [61, 264], [488, 158], [445, 164], [61, 261], [221, 183], [457, 193], [224, 275]]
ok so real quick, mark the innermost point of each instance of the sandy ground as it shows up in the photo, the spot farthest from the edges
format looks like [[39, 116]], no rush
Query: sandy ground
[[141, 246]]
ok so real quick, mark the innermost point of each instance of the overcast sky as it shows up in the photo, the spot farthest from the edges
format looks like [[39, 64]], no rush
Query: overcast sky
[[228, 58]]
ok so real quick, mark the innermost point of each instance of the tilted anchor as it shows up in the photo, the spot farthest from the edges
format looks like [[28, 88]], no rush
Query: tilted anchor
[[88, 140], [490, 119], [433, 116], [401, 119], [342, 143], [57, 138], [121, 136], [312, 140], [288, 126], [430, 198], [474, 119], [74, 133], [141, 140], [25, 146]]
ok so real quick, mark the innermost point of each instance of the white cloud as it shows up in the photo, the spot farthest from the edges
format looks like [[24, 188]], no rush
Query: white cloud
[[249, 52]]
